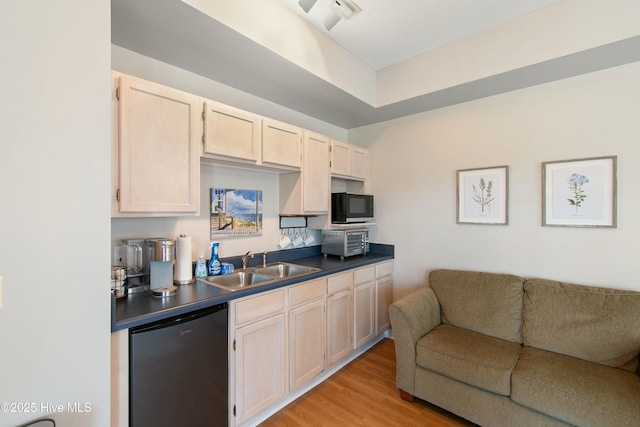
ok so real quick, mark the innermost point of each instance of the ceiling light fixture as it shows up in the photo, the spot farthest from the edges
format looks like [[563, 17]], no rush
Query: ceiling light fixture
[[330, 19], [339, 9], [306, 5], [346, 8]]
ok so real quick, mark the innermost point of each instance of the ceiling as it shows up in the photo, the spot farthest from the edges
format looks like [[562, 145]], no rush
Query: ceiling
[[385, 32]]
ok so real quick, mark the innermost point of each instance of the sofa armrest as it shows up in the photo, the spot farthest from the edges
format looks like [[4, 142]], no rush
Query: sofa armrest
[[411, 318]]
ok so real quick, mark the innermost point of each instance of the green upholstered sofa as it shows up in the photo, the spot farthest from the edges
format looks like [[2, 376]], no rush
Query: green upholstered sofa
[[500, 350]]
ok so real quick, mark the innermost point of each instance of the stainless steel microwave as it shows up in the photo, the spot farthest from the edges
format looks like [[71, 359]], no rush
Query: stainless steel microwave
[[351, 207], [345, 243]]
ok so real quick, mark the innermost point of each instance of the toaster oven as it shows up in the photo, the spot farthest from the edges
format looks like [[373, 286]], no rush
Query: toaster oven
[[345, 243]]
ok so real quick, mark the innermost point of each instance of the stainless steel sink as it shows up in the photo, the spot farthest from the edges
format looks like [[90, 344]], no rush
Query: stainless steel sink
[[257, 276], [283, 270], [238, 280]]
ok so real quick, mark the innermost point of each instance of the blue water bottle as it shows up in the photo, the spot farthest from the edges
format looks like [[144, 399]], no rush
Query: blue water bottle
[[213, 267]]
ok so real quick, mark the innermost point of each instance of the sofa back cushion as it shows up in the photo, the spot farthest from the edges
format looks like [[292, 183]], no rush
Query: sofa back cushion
[[600, 325], [487, 303]]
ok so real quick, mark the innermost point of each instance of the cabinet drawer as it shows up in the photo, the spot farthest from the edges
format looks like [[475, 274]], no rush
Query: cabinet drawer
[[384, 269], [340, 282], [263, 305], [363, 275], [304, 292]]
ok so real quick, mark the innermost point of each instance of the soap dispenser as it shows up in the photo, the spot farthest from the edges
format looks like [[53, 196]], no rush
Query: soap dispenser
[[201, 266]]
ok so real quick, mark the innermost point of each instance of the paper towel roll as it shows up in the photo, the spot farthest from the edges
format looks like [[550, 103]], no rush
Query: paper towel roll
[[183, 271]]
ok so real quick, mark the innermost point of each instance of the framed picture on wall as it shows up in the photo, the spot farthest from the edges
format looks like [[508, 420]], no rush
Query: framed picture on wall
[[235, 213], [580, 192], [483, 196]]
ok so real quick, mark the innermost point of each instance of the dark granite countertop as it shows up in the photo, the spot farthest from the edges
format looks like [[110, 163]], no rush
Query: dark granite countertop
[[143, 308]]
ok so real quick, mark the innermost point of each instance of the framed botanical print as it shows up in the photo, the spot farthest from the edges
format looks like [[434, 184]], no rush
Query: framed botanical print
[[483, 196], [580, 192]]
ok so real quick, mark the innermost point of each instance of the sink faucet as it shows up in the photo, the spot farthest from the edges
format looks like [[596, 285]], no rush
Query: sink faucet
[[245, 259], [264, 258]]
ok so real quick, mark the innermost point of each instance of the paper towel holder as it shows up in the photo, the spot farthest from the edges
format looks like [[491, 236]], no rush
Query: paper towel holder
[[183, 255]]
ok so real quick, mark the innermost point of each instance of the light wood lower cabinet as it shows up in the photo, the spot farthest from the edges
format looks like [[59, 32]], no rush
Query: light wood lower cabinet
[[384, 295], [284, 340], [339, 326], [306, 332], [339, 316], [120, 378], [258, 353], [306, 335], [363, 306], [260, 366]]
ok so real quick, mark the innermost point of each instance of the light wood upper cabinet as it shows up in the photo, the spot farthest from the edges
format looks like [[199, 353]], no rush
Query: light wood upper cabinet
[[359, 162], [231, 132], [157, 159], [349, 161], [281, 144], [316, 182], [307, 191], [340, 158]]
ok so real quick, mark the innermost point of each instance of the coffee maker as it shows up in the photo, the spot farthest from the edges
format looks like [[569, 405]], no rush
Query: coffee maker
[[161, 254], [135, 258]]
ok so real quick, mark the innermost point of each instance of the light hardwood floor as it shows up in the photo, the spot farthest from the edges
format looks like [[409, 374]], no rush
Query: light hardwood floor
[[363, 393]]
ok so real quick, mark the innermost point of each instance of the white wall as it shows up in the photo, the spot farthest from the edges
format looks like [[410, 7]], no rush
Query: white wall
[[563, 28], [413, 175], [54, 220]]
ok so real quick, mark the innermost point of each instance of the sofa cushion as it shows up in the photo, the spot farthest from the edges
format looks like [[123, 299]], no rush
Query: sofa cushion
[[467, 356], [575, 390], [597, 324], [488, 303]]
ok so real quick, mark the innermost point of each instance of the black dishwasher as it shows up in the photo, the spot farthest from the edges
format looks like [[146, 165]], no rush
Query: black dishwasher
[[178, 371]]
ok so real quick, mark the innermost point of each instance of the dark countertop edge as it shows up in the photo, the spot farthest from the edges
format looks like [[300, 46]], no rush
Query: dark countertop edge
[[306, 256]]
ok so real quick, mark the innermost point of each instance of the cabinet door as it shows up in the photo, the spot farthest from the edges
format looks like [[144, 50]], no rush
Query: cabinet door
[[359, 162], [384, 298], [260, 366], [315, 173], [363, 313], [339, 325], [120, 378], [340, 158], [158, 148], [281, 144], [306, 338], [231, 132]]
